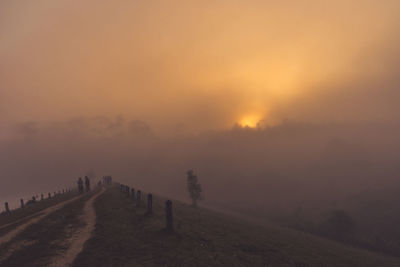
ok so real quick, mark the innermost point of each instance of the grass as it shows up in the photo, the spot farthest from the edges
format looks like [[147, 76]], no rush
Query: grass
[[28, 210], [39, 242], [126, 236]]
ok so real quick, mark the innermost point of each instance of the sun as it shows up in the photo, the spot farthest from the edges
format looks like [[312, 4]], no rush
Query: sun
[[250, 121]]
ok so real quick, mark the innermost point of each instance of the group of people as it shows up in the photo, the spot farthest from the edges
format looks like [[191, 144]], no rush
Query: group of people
[[80, 185], [107, 180], [84, 186]]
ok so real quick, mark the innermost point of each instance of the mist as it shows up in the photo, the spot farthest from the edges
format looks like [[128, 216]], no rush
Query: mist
[[205, 66], [272, 169], [280, 109]]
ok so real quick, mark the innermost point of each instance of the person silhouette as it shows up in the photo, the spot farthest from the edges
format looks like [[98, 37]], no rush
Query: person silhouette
[[80, 185], [87, 184]]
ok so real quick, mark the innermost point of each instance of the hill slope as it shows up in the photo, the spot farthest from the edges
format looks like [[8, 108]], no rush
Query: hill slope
[[108, 228], [126, 236]]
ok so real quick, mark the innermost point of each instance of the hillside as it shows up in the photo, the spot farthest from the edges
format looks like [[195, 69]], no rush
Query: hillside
[[124, 235]]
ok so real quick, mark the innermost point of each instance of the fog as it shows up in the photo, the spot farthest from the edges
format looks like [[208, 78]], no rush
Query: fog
[[199, 66], [274, 106], [273, 169]]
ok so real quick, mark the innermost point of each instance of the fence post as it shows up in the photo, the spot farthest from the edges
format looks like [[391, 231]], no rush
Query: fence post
[[149, 203], [133, 194], [22, 203], [7, 207], [169, 217], [138, 197]]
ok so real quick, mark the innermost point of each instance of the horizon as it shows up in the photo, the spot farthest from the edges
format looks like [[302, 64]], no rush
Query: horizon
[[286, 112]]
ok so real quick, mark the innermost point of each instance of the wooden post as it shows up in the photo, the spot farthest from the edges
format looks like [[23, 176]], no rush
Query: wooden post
[[149, 203], [7, 207], [133, 194], [22, 203], [138, 197], [169, 217]]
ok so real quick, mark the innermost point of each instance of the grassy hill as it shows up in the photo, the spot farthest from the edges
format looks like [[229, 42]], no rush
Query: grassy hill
[[19, 216], [41, 241], [126, 236]]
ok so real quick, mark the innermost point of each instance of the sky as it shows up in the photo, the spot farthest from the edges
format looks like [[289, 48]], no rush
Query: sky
[[266, 93], [201, 66]]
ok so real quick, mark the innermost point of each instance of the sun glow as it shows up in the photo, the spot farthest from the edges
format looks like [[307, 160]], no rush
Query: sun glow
[[250, 120]]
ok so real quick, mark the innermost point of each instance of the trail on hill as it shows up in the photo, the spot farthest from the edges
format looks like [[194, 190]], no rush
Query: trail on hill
[[44, 213], [76, 242], [20, 220]]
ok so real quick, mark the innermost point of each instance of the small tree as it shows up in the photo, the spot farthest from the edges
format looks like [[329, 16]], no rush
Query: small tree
[[340, 223], [194, 187]]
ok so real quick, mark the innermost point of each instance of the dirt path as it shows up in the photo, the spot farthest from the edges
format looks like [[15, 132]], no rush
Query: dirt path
[[20, 220], [76, 242], [10, 235]]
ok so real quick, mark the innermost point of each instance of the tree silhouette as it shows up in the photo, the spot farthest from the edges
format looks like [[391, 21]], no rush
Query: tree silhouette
[[194, 187], [340, 222]]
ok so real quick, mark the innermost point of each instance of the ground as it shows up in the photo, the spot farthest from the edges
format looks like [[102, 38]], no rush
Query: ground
[[126, 235]]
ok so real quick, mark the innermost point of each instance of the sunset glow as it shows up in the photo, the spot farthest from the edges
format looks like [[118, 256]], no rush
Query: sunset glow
[[250, 121], [234, 115], [163, 64]]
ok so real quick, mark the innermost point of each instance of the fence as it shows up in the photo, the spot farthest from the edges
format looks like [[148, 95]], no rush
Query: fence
[[34, 199], [130, 192]]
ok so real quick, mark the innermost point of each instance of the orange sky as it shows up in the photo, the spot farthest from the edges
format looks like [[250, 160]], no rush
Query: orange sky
[[206, 65]]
